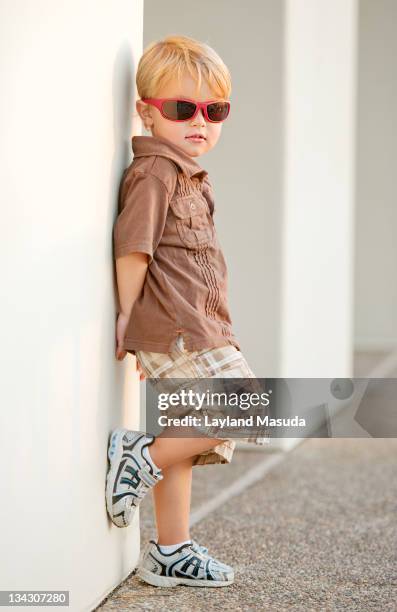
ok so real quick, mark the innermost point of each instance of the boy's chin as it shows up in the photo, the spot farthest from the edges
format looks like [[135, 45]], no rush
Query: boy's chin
[[195, 148]]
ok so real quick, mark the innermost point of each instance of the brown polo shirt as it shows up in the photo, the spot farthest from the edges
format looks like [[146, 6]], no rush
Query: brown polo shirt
[[166, 210]]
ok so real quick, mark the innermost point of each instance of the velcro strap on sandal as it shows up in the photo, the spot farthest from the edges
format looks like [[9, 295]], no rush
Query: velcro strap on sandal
[[147, 477]]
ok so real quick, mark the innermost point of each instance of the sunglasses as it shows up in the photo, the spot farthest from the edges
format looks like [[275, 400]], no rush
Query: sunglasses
[[177, 109]]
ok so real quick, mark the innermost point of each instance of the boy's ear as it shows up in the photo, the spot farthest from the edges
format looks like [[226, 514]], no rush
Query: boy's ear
[[142, 109]]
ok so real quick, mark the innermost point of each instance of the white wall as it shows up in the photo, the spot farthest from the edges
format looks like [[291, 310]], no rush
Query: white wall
[[318, 205], [376, 220], [67, 73]]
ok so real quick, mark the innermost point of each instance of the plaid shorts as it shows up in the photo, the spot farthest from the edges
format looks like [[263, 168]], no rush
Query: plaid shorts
[[220, 362]]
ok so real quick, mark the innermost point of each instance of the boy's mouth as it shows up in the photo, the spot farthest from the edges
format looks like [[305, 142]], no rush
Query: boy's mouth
[[196, 137]]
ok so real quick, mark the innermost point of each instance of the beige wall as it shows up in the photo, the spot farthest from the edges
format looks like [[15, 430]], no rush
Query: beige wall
[[376, 219], [67, 75]]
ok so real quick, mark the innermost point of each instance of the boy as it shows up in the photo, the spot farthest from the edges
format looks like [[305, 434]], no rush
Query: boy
[[172, 284]]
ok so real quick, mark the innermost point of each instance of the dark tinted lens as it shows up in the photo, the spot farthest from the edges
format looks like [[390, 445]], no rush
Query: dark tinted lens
[[218, 111], [178, 109]]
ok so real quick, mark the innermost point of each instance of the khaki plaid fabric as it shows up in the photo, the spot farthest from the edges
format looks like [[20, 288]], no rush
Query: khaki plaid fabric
[[220, 362]]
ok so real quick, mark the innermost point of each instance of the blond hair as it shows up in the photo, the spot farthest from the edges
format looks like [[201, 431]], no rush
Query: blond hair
[[171, 57]]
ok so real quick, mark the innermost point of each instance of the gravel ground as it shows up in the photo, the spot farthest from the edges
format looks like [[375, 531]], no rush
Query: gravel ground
[[316, 533]]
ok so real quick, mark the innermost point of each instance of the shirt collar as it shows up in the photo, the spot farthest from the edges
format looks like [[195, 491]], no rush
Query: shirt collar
[[157, 145]]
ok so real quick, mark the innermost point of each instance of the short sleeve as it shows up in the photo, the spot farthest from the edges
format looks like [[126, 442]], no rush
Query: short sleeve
[[142, 215]]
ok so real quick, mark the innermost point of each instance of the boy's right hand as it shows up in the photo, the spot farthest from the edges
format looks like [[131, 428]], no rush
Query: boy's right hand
[[139, 368]]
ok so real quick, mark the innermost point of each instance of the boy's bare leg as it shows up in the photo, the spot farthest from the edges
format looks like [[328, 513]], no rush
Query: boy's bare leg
[[172, 494], [166, 451], [172, 503]]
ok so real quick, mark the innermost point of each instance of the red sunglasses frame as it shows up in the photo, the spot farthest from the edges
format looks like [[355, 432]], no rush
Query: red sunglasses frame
[[158, 103]]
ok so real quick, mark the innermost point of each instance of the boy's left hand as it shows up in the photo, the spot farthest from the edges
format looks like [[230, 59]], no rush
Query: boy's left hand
[[121, 327]]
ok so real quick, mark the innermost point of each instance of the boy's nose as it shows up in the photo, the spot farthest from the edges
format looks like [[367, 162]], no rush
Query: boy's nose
[[199, 118]]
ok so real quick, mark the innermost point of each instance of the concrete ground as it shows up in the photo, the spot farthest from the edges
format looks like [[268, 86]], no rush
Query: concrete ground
[[316, 532]]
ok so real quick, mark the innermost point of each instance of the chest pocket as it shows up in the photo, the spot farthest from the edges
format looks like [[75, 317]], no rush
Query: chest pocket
[[193, 220]]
